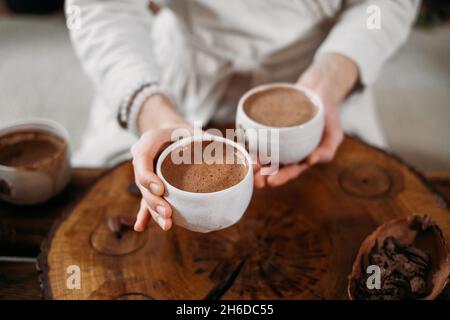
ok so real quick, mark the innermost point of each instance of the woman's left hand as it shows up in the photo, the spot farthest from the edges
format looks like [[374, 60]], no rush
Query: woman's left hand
[[332, 77]]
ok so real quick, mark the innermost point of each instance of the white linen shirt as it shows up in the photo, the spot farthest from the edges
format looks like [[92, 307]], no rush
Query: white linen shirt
[[206, 53]]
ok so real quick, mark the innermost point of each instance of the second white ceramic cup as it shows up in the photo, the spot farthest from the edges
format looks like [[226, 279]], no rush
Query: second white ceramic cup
[[205, 212], [295, 143]]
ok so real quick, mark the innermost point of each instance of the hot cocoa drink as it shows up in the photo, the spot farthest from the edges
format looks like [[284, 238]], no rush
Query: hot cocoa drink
[[220, 167], [29, 148], [280, 107]]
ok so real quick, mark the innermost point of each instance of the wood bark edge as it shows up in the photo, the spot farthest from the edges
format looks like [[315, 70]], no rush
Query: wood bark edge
[[42, 259]]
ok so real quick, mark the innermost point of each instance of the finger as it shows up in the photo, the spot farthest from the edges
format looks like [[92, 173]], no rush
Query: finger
[[332, 138], [144, 176], [144, 153], [143, 217], [285, 174], [165, 224], [259, 180], [327, 149], [156, 203], [256, 167]]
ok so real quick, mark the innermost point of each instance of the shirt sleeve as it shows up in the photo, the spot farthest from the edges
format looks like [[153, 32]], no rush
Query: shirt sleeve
[[112, 41], [370, 48]]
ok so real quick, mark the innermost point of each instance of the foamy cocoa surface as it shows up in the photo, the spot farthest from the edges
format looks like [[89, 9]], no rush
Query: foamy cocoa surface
[[204, 177], [28, 148], [280, 107]]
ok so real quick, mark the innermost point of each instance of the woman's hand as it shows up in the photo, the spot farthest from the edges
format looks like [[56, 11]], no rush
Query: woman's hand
[[332, 77], [157, 120]]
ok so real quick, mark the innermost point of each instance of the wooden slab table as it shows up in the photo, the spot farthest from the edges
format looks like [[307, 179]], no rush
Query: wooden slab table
[[296, 241]]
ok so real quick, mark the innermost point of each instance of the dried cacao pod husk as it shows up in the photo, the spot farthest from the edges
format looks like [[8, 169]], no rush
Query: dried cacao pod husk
[[415, 231]]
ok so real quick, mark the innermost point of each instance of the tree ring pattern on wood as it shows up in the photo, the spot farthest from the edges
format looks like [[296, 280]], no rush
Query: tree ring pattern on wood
[[366, 180], [134, 190], [134, 296], [297, 241], [5, 188], [116, 244], [119, 287], [278, 258]]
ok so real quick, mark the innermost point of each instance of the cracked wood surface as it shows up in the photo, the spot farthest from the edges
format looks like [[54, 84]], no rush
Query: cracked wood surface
[[296, 241]]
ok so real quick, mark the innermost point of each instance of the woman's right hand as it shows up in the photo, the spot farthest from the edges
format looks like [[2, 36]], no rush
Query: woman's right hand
[[157, 121]]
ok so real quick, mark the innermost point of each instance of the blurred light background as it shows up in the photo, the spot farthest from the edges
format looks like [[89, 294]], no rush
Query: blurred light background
[[41, 77]]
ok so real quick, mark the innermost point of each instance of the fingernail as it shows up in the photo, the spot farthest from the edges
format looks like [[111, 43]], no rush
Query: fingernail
[[137, 227], [154, 187], [161, 222], [161, 210]]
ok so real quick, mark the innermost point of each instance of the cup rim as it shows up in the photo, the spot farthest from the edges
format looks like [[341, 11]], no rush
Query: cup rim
[[313, 96], [204, 137], [55, 128]]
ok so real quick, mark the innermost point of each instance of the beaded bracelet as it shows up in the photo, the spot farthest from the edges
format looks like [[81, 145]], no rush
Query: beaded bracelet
[[131, 106]]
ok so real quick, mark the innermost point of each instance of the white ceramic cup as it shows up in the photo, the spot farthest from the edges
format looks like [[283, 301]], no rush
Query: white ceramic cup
[[24, 186], [205, 212], [296, 142]]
